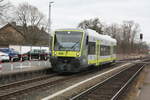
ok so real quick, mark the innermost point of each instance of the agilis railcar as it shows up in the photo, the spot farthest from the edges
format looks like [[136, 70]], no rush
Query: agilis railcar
[[75, 49]]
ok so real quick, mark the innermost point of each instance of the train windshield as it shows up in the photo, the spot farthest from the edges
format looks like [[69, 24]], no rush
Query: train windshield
[[67, 40]]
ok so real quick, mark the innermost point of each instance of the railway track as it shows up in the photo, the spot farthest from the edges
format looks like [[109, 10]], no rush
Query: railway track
[[21, 87], [112, 87], [27, 81]]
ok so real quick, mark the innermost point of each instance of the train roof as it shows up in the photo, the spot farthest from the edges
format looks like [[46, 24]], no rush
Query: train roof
[[69, 29], [93, 33]]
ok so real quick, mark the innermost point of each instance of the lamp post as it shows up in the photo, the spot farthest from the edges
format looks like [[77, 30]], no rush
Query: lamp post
[[49, 25]]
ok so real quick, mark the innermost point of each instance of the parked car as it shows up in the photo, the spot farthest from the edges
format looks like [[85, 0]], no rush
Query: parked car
[[38, 54], [13, 55], [23, 56], [44, 55], [4, 57]]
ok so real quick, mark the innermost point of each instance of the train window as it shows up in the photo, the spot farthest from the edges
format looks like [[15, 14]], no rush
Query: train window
[[91, 48], [67, 41], [87, 40], [108, 50], [105, 50], [114, 49], [102, 49]]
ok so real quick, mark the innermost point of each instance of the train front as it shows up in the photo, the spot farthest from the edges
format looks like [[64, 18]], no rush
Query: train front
[[66, 50]]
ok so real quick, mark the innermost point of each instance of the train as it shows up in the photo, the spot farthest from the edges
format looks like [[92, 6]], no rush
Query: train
[[76, 49]]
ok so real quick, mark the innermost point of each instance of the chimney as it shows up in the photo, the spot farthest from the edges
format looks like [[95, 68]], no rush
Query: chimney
[[13, 23]]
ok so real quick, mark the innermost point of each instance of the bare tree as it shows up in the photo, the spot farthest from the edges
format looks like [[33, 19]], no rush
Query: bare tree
[[31, 19], [125, 34], [4, 7], [113, 30], [94, 24], [130, 30], [27, 14], [36, 17]]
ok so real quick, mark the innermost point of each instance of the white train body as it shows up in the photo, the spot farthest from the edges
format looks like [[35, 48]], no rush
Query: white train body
[[76, 49]]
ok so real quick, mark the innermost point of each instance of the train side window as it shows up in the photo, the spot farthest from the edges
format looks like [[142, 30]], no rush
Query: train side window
[[91, 48], [114, 49], [87, 40], [105, 50], [102, 50], [108, 50], [55, 39]]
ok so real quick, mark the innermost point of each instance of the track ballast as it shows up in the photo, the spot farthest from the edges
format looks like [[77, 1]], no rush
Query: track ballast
[[112, 87]]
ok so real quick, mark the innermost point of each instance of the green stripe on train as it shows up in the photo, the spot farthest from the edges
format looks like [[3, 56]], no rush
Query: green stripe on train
[[100, 61]]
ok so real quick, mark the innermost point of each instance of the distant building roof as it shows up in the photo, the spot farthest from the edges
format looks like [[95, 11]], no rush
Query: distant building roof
[[31, 34], [2, 25]]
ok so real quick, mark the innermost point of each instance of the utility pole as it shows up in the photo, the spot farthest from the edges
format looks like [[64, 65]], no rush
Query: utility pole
[[49, 26]]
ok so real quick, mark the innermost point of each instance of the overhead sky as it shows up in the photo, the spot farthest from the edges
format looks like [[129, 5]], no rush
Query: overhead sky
[[68, 13]]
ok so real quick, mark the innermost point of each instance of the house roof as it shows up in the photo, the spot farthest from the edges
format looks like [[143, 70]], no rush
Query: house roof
[[7, 25]]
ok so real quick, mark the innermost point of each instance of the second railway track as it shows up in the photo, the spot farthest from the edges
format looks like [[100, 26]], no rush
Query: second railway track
[[112, 87]]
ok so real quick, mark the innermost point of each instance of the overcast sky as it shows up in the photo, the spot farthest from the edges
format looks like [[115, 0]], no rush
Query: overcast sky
[[68, 13]]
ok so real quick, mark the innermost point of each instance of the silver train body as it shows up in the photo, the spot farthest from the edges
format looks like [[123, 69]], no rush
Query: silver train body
[[75, 49]]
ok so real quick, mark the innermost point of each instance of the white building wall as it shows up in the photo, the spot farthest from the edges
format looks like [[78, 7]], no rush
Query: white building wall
[[24, 49]]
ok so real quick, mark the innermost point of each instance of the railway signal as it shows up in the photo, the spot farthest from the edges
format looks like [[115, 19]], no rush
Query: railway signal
[[141, 36]]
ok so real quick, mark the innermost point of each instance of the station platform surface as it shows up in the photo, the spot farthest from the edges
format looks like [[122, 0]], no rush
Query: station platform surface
[[145, 89], [15, 67]]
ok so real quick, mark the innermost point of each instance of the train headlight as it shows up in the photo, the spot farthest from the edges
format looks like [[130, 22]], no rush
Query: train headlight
[[78, 54], [55, 53]]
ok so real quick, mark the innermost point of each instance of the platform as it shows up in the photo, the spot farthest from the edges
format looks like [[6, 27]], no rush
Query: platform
[[15, 67], [145, 89], [16, 71]]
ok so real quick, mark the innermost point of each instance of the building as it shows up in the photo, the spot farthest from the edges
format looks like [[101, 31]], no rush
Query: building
[[12, 34]]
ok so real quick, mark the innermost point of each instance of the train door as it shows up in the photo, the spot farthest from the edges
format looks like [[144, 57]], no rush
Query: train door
[[97, 52]]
